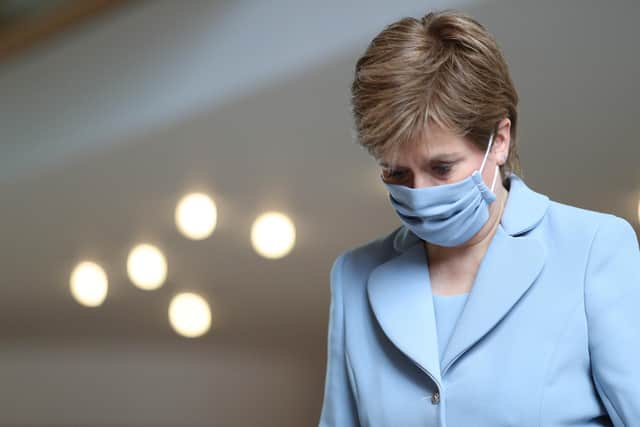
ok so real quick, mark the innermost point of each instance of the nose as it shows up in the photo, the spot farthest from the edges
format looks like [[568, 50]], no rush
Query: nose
[[420, 180]]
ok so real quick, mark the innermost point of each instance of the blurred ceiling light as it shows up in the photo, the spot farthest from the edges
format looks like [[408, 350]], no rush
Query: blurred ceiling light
[[189, 315], [89, 284], [196, 216], [273, 235], [146, 267]]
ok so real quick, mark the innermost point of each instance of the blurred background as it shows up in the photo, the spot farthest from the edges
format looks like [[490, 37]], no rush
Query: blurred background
[[176, 178]]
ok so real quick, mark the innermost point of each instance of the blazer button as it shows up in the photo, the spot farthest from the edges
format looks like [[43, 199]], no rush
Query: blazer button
[[435, 398]]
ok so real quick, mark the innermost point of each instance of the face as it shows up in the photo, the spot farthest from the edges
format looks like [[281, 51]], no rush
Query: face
[[441, 157]]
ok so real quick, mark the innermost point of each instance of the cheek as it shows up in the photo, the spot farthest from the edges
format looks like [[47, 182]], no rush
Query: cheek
[[462, 170]]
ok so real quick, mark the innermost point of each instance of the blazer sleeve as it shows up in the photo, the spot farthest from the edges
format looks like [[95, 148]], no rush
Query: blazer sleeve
[[612, 304], [339, 407]]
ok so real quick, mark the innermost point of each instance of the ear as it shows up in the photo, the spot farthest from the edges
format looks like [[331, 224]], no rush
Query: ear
[[501, 141]]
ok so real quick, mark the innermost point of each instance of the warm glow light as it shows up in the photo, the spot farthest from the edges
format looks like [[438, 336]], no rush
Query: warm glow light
[[196, 216], [189, 315], [273, 235], [89, 284], [147, 267]]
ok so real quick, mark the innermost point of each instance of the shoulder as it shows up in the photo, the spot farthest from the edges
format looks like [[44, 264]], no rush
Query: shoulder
[[529, 210], [360, 260], [577, 221]]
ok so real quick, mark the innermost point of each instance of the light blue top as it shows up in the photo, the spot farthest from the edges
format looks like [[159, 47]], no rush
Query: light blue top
[[550, 336], [447, 311]]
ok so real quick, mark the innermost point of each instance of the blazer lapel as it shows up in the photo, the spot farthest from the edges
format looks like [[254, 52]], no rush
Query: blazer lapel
[[507, 271], [400, 294], [400, 297]]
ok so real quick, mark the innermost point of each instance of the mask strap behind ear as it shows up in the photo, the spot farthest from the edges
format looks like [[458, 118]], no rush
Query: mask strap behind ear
[[486, 154]]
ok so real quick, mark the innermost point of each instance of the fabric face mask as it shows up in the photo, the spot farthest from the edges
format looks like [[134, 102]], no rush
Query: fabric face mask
[[447, 214]]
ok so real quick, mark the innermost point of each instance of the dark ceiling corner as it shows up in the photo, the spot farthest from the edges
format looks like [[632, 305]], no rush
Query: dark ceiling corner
[[28, 24]]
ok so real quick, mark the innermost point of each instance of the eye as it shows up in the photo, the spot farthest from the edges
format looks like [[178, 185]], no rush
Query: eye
[[442, 169], [389, 174]]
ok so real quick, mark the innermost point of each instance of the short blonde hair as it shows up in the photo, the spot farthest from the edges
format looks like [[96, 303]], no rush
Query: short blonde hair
[[444, 68]]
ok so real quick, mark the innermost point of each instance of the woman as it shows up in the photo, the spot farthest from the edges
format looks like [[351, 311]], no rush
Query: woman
[[491, 305]]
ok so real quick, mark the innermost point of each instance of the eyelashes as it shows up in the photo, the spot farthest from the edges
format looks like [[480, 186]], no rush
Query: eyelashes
[[440, 171]]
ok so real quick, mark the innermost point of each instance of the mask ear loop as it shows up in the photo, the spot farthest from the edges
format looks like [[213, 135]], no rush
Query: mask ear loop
[[486, 154], [495, 175]]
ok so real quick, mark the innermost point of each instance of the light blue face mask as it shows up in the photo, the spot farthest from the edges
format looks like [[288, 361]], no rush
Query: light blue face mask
[[447, 214]]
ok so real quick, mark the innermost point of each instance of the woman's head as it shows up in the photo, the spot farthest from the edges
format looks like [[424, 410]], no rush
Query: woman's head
[[435, 84]]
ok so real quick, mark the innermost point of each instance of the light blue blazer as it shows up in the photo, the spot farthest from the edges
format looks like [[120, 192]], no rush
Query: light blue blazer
[[549, 336]]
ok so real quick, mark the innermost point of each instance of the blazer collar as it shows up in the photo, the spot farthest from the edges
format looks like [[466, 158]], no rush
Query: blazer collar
[[523, 211], [399, 290]]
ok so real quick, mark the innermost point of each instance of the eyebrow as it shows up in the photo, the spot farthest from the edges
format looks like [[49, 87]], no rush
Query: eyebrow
[[446, 157]]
